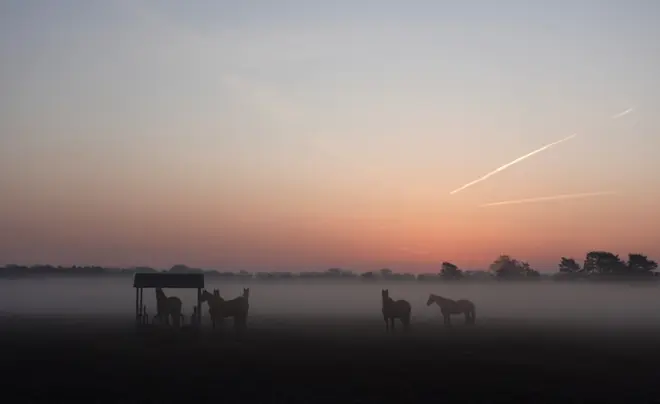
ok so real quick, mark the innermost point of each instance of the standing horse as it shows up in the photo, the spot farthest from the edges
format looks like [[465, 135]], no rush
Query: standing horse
[[238, 308], [215, 306], [395, 309], [219, 309], [168, 306], [449, 307]]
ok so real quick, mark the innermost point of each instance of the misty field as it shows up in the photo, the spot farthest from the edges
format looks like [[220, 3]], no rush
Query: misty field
[[298, 332], [281, 302]]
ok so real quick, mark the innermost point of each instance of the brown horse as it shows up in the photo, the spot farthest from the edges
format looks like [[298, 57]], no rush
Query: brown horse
[[449, 307], [395, 309], [215, 306], [167, 307], [219, 309]]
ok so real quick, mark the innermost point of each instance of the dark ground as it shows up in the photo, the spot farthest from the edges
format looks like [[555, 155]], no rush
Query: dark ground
[[327, 361]]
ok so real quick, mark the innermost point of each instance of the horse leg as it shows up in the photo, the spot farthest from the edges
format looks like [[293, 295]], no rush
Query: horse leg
[[387, 324], [467, 317], [238, 322], [392, 321], [212, 316], [243, 321]]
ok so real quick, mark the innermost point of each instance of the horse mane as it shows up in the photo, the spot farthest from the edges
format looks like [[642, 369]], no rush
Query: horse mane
[[160, 294]]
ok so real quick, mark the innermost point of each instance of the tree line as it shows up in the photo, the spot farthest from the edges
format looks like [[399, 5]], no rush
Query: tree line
[[597, 265]]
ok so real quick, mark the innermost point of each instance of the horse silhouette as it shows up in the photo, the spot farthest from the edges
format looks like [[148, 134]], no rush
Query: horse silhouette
[[214, 301], [395, 309], [449, 307], [168, 307], [219, 308]]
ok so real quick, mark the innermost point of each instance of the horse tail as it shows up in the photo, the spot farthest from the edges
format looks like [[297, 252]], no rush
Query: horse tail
[[473, 314]]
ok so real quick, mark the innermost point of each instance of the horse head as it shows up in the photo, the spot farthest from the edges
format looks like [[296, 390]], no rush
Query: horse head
[[205, 295], [431, 300], [246, 292], [385, 293]]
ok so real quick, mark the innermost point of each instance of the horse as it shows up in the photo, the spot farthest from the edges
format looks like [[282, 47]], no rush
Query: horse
[[238, 308], [168, 306], [219, 309], [215, 305], [395, 309], [449, 307]]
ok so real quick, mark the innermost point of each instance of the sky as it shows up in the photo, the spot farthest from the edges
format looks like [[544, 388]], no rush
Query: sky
[[302, 135]]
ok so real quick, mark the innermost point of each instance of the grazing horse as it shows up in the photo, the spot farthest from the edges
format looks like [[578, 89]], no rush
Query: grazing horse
[[449, 307], [219, 309], [395, 309], [168, 306]]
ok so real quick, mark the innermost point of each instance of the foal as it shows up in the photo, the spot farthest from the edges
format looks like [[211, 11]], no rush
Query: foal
[[395, 309], [449, 307]]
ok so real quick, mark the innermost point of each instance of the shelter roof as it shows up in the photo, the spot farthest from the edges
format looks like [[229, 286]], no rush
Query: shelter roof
[[168, 280]]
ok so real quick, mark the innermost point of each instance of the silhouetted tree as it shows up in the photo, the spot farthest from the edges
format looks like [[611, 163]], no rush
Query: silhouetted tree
[[386, 273], [603, 263], [569, 265], [334, 272], [527, 271], [639, 264], [450, 271], [180, 268], [505, 267]]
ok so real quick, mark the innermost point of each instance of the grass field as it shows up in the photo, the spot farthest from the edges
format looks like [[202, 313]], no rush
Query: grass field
[[329, 359]]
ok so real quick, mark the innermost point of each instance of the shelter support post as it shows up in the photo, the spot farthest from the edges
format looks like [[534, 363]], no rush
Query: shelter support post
[[199, 307], [142, 310], [137, 305]]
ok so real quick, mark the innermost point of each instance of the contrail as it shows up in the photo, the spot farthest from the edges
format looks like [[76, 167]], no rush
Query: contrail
[[519, 159], [624, 113], [549, 198]]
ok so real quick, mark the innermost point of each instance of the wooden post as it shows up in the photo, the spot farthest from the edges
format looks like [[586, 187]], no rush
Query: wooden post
[[199, 307], [142, 313], [137, 305]]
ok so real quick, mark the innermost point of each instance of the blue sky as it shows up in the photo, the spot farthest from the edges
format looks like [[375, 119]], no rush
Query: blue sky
[[268, 109]]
